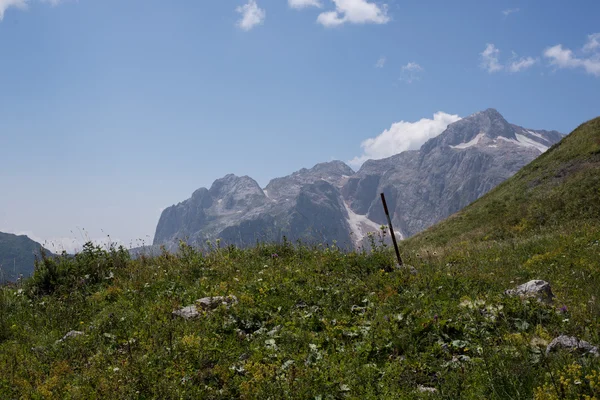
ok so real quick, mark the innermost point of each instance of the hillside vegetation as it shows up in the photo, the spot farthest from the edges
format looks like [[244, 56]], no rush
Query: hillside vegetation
[[17, 256], [321, 323]]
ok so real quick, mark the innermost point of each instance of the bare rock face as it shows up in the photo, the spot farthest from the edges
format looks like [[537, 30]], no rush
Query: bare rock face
[[571, 343], [450, 171], [535, 288], [330, 202]]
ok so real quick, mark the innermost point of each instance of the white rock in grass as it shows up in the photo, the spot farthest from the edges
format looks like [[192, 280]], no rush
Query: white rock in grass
[[535, 288], [68, 335], [206, 303], [571, 343], [425, 389]]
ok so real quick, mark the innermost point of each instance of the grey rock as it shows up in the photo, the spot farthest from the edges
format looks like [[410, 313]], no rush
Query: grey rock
[[210, 303], [331, 203], [188, 312], [535, 288], [69, 335], [573, 344]]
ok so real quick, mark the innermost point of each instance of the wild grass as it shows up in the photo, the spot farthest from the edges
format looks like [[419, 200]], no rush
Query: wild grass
[[311, 322]]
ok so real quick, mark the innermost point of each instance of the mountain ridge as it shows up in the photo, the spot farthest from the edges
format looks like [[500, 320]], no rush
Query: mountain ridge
[[17, 256], [423, 186]]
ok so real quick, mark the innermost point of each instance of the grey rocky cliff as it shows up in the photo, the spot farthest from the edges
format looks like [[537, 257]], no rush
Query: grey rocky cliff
[[467, 160], [330, 202], [306, 205]]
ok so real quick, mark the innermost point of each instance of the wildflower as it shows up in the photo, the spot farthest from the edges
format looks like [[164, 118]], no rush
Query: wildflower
[[435, 318], [563, 309], [274, 255]]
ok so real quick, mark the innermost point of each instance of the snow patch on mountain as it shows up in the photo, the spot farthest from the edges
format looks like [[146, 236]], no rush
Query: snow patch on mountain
[[536, 134], [524, 140], [470, 143], [360, 225]]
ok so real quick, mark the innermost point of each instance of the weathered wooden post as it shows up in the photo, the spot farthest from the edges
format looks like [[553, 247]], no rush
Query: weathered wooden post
[[387, 214]]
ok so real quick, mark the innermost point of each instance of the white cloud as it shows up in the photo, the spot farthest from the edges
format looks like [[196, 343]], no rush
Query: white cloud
[[6, 4], [489, 59], [298, 4], [402, 136], [593, 43], [562, 57], [519, 64], [53, 2], [510, 11], [23, 5], [252, 15], [354, 11], [381, 62], [410, 72]]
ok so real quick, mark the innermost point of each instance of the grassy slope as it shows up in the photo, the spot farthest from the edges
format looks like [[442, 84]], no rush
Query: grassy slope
[[349, 326], [558, 190], [17, 256]]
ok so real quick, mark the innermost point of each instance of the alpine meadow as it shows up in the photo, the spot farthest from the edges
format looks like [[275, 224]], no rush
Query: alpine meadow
[[299, 199], [313, 321]]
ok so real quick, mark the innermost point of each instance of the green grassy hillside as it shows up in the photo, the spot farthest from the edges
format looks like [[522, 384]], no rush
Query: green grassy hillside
[[17, 256], [320, 323]]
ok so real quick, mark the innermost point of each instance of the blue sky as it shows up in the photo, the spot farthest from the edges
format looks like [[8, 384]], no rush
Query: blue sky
[[111, 110]]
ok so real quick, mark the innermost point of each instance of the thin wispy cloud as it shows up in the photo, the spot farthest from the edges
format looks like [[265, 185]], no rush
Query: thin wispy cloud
[[354, 12], [510, 11], [402, 136], [24, 5], [489, 59], [593, 43], [252, 15], [381, 62], [410, 72], [299, 4], [54, 2], [6, 4], [518, 64], [588, 58]]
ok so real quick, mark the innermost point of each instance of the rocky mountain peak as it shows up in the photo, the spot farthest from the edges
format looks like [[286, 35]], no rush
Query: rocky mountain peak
[[336, 167], [489, 130], [231, 184], [334, 172]]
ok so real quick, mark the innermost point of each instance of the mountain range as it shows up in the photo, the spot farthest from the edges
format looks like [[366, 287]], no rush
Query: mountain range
[[331, 203]]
